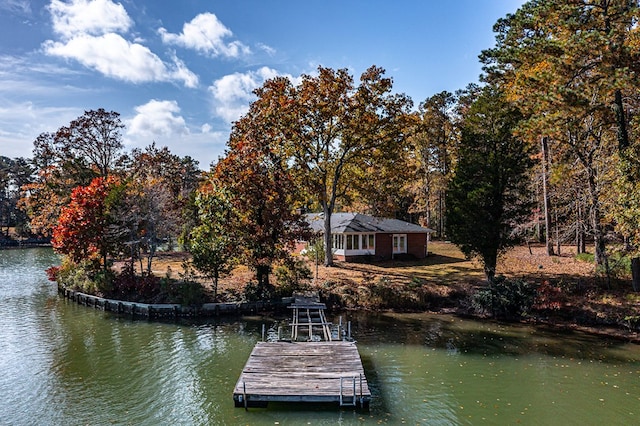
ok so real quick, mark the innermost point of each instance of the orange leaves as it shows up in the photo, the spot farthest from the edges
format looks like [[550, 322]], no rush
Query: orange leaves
[[81, 227]]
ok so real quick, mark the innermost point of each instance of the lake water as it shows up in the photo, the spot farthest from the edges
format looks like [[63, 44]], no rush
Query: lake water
[[64, 364]]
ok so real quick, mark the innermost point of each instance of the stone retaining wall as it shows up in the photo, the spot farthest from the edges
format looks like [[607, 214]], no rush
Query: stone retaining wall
[[169, 311]]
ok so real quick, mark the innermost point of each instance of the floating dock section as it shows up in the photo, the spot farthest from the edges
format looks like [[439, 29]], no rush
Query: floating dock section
[[316, 372]]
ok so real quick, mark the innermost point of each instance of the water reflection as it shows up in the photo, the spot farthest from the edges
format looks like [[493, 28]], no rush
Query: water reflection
[[490, 338], [67, 364], [461, 372]]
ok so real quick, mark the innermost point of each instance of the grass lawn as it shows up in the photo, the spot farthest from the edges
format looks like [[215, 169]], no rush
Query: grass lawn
[[445, 266]]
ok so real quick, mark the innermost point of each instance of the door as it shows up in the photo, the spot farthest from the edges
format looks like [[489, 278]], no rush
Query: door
[[399, 243]]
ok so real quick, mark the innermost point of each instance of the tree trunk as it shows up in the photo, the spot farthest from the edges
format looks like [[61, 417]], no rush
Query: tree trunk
[[328, 252], [427, 197], [490, 274], [489, 265], [216, 277], [623, 144], [635, 273], [596, 216], [545, 195], [583, 228], [623, 135], [105, 260], [427, 213], [579, 232], [441, 217], [538, 234], [558, 243], [262, 275]]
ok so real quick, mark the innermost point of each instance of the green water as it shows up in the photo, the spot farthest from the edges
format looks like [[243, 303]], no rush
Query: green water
[[63, 364]]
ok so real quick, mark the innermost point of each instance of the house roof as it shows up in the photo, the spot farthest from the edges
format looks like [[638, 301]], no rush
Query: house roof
[[342, 223]]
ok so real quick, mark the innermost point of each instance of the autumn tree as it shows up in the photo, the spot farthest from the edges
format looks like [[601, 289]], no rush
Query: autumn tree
[[94, 138], [14, 173], [624, 200], [5, 181], [180, 173], [158, 189], [433, 151], [82, 229], [340, 129], [56, 176], [388, 195], [256, 175], [568, 65], [90, 146], [488, 196]]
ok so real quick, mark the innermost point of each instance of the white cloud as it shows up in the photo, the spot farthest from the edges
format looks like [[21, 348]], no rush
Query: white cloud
[[157, 118], [160, 121], [16, 6], [94, 17], [205, 33], [22, 122], [268, 49], [182, 73], [116, 57], [233, 93], [89, 33], [206, 148]]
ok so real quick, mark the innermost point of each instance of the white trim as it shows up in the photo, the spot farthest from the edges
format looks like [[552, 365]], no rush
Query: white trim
[[341, 241]]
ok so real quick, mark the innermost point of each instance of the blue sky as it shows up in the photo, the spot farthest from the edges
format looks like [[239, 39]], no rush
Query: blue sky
[[180, 72]]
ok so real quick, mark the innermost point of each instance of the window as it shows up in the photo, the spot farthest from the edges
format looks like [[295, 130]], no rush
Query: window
[[356, 241], [368, 241], [337, 241]]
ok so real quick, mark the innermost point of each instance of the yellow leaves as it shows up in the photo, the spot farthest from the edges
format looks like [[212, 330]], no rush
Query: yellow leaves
[[529, 80]]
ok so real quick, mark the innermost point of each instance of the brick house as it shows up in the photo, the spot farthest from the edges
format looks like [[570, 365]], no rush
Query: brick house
[[357, 236]]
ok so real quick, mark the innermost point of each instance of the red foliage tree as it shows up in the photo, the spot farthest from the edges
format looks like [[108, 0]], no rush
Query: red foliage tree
[[81, 232]]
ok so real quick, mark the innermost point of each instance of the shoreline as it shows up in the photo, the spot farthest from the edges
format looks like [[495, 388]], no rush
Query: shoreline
[[174, 311], [153, 311]]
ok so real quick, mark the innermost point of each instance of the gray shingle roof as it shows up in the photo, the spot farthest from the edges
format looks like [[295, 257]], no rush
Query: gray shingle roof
[[342, 223]]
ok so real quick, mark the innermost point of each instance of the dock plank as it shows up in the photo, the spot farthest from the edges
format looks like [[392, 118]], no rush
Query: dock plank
[[302, 372]]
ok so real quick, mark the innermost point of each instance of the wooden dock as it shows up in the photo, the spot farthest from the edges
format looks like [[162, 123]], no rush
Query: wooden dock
[[327, 372]]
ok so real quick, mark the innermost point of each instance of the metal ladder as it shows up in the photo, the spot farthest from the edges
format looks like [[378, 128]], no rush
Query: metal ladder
[[348, 400]]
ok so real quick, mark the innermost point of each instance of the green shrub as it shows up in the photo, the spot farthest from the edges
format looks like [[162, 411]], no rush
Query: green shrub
[[104, 281], [384, 294], [77, 276], [315, 250], [187, 293], [585, 257], [291, 277], [507, 299], [254, 292], [632, 322], [619, 266]]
